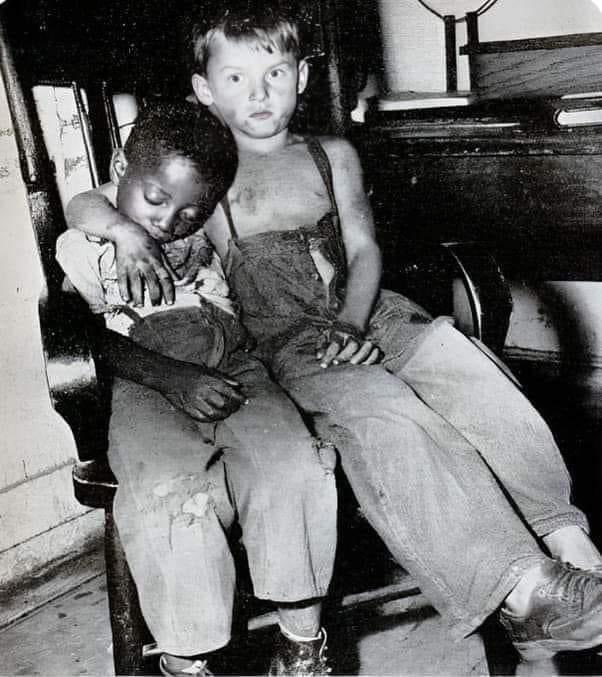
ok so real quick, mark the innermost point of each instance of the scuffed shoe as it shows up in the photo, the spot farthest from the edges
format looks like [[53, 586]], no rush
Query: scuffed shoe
[[566, 614], [305, 659], [197, 668]]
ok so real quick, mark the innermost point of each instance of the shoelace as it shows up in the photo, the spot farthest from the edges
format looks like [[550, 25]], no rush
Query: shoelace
[[198, 668], [322, 657], [595, 571], [307, 665], [571, 582]]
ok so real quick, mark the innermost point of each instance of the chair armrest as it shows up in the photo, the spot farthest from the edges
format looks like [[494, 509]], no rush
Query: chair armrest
[[79, 393], [427, 275]]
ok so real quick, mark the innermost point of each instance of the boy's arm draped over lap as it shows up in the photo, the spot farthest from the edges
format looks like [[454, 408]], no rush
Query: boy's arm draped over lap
[[140, 260], [200, 391], [362, 255]]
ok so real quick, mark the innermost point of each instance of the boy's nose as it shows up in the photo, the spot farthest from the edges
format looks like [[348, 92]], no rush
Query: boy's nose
[[258, 91], [164, 222]]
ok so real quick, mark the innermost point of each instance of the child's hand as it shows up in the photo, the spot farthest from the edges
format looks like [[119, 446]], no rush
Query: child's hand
[[203, 393], [344, 343], [140, 261]]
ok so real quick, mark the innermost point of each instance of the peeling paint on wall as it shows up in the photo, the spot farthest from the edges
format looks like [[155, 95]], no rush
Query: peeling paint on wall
[[64, 140]]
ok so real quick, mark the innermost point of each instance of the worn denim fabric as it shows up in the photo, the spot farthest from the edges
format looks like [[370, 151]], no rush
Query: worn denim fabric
[[425, 437], [182, 484]]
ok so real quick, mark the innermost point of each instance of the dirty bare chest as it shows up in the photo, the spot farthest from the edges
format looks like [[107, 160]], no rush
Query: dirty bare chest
[[282, 191]]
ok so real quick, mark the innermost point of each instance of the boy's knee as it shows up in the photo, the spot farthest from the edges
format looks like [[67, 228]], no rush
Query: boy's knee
[[306, 464], [191, 498]]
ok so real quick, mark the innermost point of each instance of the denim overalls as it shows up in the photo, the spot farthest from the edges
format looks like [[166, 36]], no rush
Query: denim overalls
[[183, 484], [425, 436]]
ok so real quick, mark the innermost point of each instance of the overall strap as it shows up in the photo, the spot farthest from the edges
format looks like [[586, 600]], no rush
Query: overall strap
[[319, 156], [225, 203], [322, 162]]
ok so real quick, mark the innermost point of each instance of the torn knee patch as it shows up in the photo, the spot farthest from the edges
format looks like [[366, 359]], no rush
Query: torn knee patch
[[327, 454]]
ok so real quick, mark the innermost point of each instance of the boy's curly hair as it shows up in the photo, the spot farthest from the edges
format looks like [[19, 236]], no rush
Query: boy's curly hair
[[269, 23], [166, 129]]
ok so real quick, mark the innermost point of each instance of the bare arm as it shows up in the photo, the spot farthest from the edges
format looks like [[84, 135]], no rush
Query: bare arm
[[139, 258], [364, 265], [203, 393]]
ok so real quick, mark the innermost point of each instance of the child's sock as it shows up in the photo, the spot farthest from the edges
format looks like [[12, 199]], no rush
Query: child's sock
[[174, 666], [298, 638]]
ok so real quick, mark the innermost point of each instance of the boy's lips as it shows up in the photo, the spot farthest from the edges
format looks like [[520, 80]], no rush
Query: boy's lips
[[262, 115]]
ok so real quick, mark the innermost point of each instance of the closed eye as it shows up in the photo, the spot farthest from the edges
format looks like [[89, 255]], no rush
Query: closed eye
[[156, 201], [190, 218]]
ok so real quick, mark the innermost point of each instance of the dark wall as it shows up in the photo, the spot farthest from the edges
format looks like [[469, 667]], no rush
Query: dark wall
[[530, 193], [128, 43], [142, 45]]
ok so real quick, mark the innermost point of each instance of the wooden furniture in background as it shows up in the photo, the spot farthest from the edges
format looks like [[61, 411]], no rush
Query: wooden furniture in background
[[535, 67]]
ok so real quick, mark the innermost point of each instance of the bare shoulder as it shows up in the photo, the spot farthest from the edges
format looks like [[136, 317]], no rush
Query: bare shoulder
[[345, 163], [340, 151], [108, 190]]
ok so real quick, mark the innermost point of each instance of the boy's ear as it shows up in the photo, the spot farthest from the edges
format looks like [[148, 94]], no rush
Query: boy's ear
[[201, 89], [118, 166], [303, 70]]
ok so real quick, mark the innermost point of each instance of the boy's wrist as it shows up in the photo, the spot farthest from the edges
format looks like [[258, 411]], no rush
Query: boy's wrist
[[172, 374], [119, 230], [344, 327]]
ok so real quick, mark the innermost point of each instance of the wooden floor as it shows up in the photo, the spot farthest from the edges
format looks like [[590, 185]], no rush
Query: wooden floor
[[70, 636], [60, 626]]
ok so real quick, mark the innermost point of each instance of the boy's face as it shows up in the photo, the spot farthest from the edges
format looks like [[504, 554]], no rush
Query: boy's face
[[169, 201], [253, 91]]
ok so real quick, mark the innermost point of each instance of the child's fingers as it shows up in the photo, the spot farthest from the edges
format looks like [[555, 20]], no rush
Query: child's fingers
[[231, 382], [136, 288], [346, 354], [230, 392], [222, 378], [362, 353], [166, 278], [153, 287], [329, 355], [124, 286], [374, 357], [168, 268]]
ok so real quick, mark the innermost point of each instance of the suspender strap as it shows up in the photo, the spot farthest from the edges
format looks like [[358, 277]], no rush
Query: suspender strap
[[323, 164], [228, 212], [319, 156]]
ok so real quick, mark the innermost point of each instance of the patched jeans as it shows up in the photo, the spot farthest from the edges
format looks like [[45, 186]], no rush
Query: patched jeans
[[182, 484], [426, 438]]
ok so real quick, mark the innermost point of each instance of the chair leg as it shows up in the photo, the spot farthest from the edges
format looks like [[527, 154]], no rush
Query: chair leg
[[127, 624]]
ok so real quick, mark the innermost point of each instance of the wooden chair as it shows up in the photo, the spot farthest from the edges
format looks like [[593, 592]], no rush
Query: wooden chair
[[79, 385]]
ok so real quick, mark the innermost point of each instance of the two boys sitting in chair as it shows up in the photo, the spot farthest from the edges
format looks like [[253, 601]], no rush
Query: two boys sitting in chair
[[451, 465]]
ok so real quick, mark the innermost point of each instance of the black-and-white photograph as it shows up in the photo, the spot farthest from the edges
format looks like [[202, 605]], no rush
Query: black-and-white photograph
[[301, 338]]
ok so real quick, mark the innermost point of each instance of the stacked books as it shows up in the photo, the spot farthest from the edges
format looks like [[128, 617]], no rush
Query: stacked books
[[577, 110]]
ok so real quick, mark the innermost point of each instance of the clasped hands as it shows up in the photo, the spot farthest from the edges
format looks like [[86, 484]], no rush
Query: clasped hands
[[203, 393], [344, 342]]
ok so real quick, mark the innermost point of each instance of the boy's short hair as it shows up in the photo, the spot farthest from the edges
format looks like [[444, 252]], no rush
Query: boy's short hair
[[181, 129], [267, 23]]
